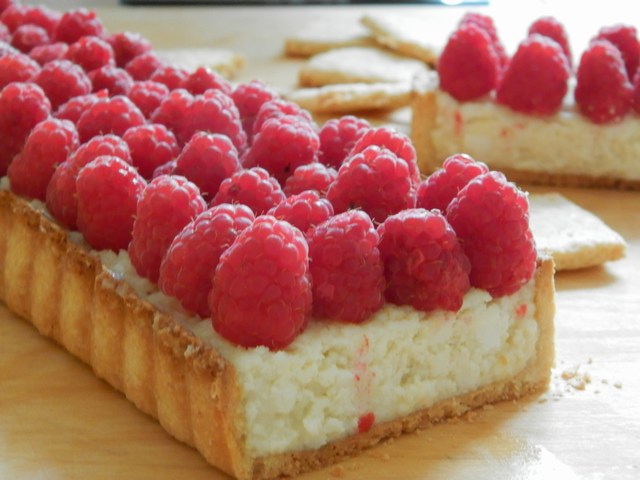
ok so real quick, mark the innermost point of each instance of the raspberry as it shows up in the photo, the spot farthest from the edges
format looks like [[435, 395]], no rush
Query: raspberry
[[48, 145], [111, 78], [173, 112], [61, 193], [214, 112], [314, 176], [6, 49], [376, 181], [143, 66], [127, 46], [62, 80], [303, 211], [48, 53], [261, 291], [74, 108], [16, 68], [394, 141], [165, 169], [172, 76], [27, 37], [253, 187], [148, 95], [536, 80], [187, 268], [78, 23], [337, 138], [208, 159], [4, 4], [203, 79], [22, 106], [486, 24], [249, 97], [346, 268], [424, 263], [469, 66], [625, 38], [279, 108], [14, 16], [167, 204], [5, 34], [443, 185], [110, 115], [108, 189], [550, 27], [603, 92], [490, 216], [90, 53], [150, 145], [282, 145]]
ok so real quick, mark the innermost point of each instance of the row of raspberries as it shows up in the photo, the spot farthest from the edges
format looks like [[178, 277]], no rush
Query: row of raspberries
[[235, 202], [535, 80]]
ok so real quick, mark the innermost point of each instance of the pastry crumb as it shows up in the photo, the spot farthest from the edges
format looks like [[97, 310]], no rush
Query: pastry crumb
[[337, 472]]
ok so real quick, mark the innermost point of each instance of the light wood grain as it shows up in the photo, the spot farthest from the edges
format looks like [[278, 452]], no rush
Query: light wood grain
[[57, 421]]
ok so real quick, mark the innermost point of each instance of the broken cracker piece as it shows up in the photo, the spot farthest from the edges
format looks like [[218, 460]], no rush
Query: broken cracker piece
[[321, 36], [226, 62]]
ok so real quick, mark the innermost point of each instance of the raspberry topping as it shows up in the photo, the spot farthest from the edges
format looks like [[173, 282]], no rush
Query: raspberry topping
[[443, 185], [187, 268], [376, 181], [110, 115], [74, 108], [203, 79], [304, 210], [78, 23], [261, 288], [48, 145], [424, 263], [485, 23], [491, 218], [108, 190], [173, 112], [111, 78], [337, 138], [167, 204], [90, 53], [314, 176], [29, 36], [48, 53], [126, 46], [469, 66], [14, 16], [346, 268], [143, 66], [282, 145], [279, 108], [148, 95], [625, 38], [249, 97], [16, 68], [536, 80], [208, 159], [151, 145], [550, 27], [172, 76], [603, 92], [253, 187], [62, 80]]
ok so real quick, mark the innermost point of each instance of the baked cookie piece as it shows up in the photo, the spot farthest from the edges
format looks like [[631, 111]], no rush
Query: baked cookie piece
[[225, 62], [318, 37]]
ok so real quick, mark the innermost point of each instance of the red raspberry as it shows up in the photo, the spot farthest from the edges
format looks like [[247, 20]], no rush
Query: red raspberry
[[151, 145], [536, 80], [6, 49], [49, 144], [443, 185], [376, 181], [16, 68], [392, 140], [469, 66], [249, 97], [4, 4], [111, 78], [167, 204], [61, 196], [625, 38], [424, 263], [22, 106], [29, 36], [127, 46], [337, 138], [14, 16], [148, 96], [143, 66], [90, 53], [187, 268], [346, 268], [491, 218], [75, 24], [208, 159], [314, 176], [304, 210], [279, 108], [62, 80], [74, 108], [214, 112], [253, 187], [173, 112], [5, 34], [48, 53], [110, 115], [261, 288], [203, 79], [172, 76], [603, 92], [550, 27], [282, 145], [108, 190], [485, 23], [166, 169]]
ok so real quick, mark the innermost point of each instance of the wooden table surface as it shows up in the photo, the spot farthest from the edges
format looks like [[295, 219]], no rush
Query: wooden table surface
[[57, 421]]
